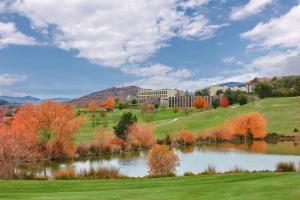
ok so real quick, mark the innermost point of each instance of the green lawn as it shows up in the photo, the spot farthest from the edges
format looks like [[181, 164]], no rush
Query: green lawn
[[231, 186], [282, 114]]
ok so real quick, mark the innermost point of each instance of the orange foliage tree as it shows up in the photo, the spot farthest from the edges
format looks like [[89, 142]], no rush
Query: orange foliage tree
[[103, 137], [110, 102], [186, 137], [200, 103], [142, 134], [162, 160], [224, 102], [43, 130], [92, 107], [251, 125]]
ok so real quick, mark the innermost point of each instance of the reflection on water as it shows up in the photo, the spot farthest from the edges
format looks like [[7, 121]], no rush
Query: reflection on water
[[224, 157]]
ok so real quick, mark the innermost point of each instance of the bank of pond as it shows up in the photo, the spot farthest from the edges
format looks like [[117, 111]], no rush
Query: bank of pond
[[201, 159]]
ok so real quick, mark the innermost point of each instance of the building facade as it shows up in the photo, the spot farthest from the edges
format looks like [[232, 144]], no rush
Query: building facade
[[162, 95], [187, 101]]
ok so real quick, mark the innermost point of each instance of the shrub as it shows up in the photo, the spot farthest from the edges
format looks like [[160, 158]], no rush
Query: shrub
[[209, 170], [224, 102], [224, 132], [101, 173], [68, 173], [168, 139], [242, 99], [200, 103], [186, 138], [83, 149], [263, 90], [121, 129], [175, 110], [215, 103], [285, 167], [103, 137], [188, 174], [143, 134], [296, 130], [162, 160]]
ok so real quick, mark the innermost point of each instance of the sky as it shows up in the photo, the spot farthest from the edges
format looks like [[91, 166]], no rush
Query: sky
[[69, 48]]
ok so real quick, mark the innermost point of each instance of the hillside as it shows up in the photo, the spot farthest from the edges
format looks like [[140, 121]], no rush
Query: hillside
[[282, 114], [20, 100], [100, 96]]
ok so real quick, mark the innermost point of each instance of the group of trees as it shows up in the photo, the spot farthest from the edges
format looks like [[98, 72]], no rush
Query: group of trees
[[284, 86], [39, 132], [229, 97]]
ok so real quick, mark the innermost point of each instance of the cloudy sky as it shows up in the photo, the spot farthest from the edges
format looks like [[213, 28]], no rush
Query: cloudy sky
[[68, 48]]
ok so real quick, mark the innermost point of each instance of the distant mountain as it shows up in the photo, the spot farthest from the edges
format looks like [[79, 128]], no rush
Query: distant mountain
[[232, 84], [3, 102], [62, 100], [20, 100], [100, 96], [29, 99]]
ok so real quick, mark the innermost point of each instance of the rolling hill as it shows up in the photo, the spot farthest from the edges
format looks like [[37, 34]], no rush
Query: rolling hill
[[100, 96]]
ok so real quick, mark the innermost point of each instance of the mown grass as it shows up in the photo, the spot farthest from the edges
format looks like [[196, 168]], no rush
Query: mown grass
[[254, 186], [282, 114]]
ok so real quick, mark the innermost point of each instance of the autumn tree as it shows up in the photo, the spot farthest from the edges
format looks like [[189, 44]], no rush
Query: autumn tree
[[92, 108], [224, 102], [142, 134], [200, 103], [110, 103], [252, 125], [162, 160], [103, 137]]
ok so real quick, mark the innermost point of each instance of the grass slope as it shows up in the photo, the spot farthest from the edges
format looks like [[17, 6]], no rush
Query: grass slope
[[231, 186], [282, 114]]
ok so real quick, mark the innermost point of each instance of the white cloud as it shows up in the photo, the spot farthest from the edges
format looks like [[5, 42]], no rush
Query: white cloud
[[10, 79], [181, 79], [232, 61], [281, 37], [277, 63], [251, 8], [114, 33], [282, 32], [190, 27], [193, 3], [10, 35], [156, 69]]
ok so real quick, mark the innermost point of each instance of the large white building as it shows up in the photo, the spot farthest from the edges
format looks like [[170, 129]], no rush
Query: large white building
[[160, 96]]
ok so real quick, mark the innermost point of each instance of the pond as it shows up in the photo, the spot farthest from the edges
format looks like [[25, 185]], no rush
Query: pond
[[224, 157]]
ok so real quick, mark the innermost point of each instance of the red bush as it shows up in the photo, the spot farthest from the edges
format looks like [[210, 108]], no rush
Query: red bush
[[224, 102]]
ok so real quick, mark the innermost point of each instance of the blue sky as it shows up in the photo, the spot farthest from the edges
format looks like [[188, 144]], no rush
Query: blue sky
[[66, 48]]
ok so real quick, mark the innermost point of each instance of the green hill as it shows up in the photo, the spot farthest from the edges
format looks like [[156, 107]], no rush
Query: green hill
[[282, 114]]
